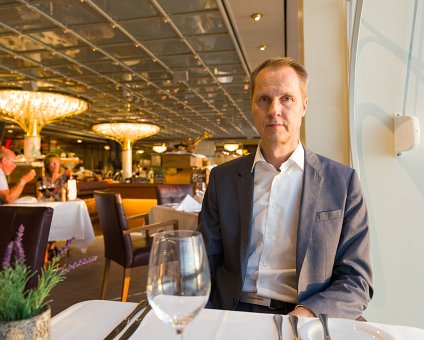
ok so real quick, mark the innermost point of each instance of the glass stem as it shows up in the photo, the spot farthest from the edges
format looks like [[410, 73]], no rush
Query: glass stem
[[180, 335]]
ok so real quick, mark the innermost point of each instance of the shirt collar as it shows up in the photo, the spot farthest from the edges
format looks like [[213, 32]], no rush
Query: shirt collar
[[297, 157]]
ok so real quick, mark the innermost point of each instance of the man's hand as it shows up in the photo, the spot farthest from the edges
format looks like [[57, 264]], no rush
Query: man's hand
[[28, 177], [301, 311]]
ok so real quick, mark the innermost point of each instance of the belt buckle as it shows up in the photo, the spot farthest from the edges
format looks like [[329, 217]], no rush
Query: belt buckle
[[255, 299]]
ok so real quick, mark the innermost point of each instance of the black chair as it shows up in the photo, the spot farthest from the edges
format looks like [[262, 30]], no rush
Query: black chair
[[37, 222], [173, 193], [119, 247]]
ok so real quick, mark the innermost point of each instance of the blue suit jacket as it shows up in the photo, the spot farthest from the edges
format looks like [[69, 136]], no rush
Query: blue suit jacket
[[333, 256]]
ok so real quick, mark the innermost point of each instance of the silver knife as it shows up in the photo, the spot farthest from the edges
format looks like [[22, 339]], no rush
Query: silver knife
[[324, 321], [278, 318], [126, 321], [135, 324], [293, 321]]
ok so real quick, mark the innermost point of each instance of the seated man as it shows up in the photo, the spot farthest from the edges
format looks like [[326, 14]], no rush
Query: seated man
[[7, 165], [286, 230]]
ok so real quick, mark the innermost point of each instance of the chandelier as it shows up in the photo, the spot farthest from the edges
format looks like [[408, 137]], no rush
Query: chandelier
[[231, 146], [126, 134], [159, 148], [32, 110]]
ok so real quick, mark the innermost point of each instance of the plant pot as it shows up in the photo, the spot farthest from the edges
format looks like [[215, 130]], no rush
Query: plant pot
[[35, 328]]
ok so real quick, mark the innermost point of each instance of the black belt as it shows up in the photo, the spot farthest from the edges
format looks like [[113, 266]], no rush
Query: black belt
[[254, 299]]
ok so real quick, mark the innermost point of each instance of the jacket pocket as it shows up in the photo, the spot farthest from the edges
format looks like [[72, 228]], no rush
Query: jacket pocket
[[328, 215]]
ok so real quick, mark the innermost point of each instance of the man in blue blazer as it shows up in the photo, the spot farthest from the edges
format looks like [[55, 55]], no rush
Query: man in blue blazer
[[286, 230]]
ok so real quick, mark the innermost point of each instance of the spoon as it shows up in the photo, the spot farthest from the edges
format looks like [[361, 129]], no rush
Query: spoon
[[293, 321]]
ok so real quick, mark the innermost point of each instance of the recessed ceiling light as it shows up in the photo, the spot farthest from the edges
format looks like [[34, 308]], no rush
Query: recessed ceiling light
[[79, 141], [256, 16], [263, 47]]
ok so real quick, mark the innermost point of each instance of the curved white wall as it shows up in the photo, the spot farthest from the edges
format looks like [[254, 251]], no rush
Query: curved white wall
[[394, 187]]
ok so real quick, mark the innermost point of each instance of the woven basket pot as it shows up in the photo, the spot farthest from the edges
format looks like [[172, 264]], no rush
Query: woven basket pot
[[37, 327]]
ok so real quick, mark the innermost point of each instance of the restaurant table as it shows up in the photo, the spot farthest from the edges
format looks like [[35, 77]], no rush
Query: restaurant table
[[186, 219], [94, 319], [70, 219]]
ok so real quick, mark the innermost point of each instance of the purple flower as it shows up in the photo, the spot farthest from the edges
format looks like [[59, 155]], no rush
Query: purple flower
[[81, 262], [65, 248], [8, 256]]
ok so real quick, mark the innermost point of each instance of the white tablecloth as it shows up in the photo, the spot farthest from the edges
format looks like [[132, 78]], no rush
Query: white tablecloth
[[186, 219], [96, 318], [70, 219]]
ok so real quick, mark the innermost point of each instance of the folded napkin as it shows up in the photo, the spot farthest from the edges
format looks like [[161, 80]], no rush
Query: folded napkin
[[189, 204], [26, 199]]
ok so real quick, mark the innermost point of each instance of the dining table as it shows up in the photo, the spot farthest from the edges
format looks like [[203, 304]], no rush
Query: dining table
[[70, 219], [94, 319], [187, 220]]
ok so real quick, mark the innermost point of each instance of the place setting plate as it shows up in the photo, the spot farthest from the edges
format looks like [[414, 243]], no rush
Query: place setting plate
[[342, 329]]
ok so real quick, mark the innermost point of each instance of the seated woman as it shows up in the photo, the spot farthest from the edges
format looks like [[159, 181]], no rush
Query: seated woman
[[54, 178]]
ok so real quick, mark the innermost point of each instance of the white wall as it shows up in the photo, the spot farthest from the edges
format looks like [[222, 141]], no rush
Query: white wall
[[325, 48], [393, 187]]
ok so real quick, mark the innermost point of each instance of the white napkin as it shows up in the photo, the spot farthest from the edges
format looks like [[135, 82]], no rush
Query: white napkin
[[72, 189], [26, 199], [189, 204]]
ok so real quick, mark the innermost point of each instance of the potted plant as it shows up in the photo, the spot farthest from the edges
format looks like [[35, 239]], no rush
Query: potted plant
[[25, 313]]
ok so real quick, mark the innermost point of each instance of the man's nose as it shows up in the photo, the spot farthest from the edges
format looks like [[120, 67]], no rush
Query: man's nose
[[274, 108]]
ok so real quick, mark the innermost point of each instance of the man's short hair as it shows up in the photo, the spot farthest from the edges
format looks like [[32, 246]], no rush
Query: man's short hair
[[281, 62]]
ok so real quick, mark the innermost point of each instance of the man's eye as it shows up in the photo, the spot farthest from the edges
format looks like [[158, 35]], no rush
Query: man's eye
[[263, 99], [287, 99]]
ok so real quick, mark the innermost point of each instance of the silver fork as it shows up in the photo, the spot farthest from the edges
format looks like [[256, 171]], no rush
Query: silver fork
[[324, 320], [278, 319]]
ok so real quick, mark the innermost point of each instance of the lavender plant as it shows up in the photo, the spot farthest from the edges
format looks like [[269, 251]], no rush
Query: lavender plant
[[17, 302]]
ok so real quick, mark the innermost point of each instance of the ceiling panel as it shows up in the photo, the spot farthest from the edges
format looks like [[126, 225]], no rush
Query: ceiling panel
[[178, 64]]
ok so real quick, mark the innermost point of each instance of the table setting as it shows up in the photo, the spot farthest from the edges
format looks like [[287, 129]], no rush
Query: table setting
[[186, 212], [70, 218], [178, 287]]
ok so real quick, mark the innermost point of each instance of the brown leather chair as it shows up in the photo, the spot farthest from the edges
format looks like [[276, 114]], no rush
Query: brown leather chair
[[37, 222], [173, 193], [119, 247]]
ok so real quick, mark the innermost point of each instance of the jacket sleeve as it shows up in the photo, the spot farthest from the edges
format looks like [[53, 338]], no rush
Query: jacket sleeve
[[347, 292]]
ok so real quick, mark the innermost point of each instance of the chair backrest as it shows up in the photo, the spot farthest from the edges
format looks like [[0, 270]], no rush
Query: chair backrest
[[173, 193], [37, 222], [118, 247]]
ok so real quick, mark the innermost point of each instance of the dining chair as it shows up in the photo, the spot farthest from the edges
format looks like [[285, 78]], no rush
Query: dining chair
[[37, 222], [173, 193], [119, 246]]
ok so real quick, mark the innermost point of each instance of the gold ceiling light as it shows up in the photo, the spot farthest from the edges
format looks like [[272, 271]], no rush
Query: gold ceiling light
[[32, 110], [231, 147], [263, 47], [126, 134], [257, 16], [159, 148]]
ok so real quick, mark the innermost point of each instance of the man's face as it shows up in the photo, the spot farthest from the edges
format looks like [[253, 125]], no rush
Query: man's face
[[278, 106], [8, 163]]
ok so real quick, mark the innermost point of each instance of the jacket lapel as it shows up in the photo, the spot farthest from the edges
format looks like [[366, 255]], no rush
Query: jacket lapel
[[312, 184], [244, 187]]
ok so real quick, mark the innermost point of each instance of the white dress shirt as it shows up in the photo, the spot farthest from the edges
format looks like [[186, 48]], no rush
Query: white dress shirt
[[271, 268]]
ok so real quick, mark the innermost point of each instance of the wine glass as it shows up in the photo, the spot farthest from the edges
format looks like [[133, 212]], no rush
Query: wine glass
[[178, 282], [50, 188], [41, 188]]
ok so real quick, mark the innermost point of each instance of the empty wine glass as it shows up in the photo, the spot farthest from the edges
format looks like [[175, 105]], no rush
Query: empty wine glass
[[178, 283]]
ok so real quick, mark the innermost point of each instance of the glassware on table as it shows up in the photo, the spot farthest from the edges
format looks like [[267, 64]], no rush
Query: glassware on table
[[178, 282], [41, 190]]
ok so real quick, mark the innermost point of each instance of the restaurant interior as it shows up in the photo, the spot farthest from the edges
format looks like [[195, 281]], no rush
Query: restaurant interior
[[140, 99]]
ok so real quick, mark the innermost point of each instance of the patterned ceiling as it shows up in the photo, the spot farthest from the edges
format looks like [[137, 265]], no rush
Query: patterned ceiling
[[174, 63]]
